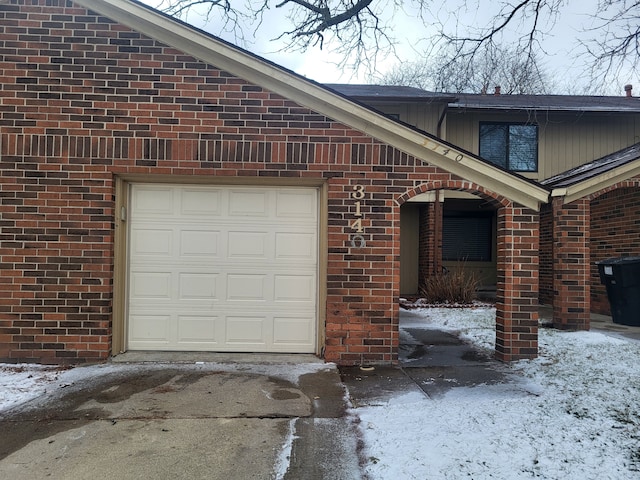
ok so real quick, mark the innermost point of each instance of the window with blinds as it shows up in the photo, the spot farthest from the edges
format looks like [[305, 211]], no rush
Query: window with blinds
[[467, 238]]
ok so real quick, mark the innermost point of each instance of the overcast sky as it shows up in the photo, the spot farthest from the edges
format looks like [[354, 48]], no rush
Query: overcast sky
[[562, 61]]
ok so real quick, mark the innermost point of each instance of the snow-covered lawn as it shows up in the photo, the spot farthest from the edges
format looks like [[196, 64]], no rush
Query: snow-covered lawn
[[573, 413]]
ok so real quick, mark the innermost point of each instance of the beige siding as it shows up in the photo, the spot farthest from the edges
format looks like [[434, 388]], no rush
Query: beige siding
[[409, 248], [565, 140], [421, 115]]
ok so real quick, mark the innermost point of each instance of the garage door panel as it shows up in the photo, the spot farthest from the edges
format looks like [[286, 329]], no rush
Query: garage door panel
[[246, 288], [153, 200], [296, 204], [198, 286], [246, 330], [246, 202], [149, 329], [201, 202], [293, 332], [150, 285], [294, 288], [198, 329], [248, 245], [200, 243], [151, 241], [203, 279], [295, 246]]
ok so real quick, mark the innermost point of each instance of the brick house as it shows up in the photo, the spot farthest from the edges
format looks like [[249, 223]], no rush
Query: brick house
[[161, 189]]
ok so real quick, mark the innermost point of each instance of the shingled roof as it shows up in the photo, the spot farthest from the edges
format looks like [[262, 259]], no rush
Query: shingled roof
[[469, 101], [389, 93], [567, 103], [595, 168], [595, 176]]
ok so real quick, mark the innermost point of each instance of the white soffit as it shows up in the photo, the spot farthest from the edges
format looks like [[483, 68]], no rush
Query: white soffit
[[300, 90]]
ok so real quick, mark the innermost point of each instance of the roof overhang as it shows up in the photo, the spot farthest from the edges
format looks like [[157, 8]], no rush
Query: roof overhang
[[243, 64], [599, 182]]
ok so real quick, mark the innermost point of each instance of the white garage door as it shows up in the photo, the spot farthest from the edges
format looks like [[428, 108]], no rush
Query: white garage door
[[223, 268]]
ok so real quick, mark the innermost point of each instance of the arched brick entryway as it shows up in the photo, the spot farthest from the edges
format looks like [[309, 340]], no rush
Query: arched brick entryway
[[517, 253]]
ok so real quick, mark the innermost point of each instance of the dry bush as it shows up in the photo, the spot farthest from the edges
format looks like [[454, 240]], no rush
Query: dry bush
[[457, 286]]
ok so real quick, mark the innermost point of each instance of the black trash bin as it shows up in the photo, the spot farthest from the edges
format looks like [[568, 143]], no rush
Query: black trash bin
[[622, 279]]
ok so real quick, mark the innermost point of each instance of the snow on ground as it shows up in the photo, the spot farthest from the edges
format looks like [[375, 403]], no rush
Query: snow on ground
[[24, 382], [572, 413], [21, 383]]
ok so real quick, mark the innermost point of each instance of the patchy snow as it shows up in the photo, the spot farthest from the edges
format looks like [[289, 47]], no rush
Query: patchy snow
[[574, 415], [574, 412], [282, 462], [22, 383]]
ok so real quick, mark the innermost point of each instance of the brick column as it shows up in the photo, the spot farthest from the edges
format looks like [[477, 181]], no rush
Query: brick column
[[426, 256], [517, 294], [571, 264], [546, 255]]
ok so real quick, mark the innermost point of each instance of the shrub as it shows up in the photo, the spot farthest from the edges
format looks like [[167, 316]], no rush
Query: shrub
[[457, 286]]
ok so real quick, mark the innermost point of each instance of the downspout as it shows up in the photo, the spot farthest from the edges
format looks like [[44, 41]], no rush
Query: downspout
[[443, 115]]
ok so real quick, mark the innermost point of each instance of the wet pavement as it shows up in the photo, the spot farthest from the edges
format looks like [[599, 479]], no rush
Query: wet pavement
[[184, 421], [433, 361]]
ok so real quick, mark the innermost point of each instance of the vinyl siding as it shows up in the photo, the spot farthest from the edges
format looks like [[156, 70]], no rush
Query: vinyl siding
[[565, 140]]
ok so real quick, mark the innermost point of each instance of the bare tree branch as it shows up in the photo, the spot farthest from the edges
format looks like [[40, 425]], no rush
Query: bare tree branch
[[505, 67], [359, 30]]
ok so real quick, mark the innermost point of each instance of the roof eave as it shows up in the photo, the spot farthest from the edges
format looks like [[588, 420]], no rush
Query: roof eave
[[546, 108], [599, 182], [318, 98]]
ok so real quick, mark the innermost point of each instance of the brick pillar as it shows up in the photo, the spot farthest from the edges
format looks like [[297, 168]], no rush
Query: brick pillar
[[517, 294], [571, 264], [546, 255], [426, 256]]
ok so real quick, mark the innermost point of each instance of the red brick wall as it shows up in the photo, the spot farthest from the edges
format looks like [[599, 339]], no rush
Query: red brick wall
[[615, 232], [517, 292], [83, 100], [546, 255], [427, 243], [571, 280]]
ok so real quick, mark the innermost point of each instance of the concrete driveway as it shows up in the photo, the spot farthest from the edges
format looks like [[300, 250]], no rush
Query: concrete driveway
[[260, 420]]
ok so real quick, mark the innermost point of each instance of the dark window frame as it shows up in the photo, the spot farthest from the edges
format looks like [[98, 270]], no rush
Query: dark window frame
[[506, 160]]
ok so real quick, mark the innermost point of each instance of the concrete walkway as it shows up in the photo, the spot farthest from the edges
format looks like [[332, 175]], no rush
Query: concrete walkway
[[433, 362]]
